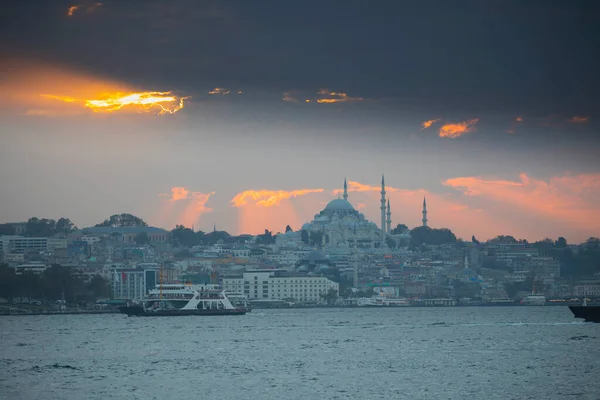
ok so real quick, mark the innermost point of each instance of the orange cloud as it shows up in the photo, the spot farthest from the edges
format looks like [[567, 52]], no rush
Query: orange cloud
[[71, 11], [50, 90], [161, 102], [89, 8], [578, 119], [192, 213], [183, 207], [519, 119], [325, 96], [454, 130], [428, 123], [269, 198], [221, 91], [354, 186], [567, 205], [179, 193], [288, 97]]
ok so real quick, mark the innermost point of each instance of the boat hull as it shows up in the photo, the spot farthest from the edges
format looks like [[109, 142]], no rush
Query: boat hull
[[588, 313], [138, 311]]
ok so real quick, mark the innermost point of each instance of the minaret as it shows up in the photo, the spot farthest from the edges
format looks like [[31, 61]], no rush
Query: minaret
[[382, 203], [345, 190], [389, 217], [424, 211]]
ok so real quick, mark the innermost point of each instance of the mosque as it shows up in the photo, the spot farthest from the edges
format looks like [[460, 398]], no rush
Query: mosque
[[341, 225]]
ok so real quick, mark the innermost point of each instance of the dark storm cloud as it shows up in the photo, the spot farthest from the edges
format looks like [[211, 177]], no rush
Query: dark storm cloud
[[534, 57]]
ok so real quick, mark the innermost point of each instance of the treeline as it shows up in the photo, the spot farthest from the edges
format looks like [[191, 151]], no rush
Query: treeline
[[41, 227], [51, 285]]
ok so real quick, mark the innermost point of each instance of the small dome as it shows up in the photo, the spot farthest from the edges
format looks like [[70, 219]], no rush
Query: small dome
[[306, 226], [339, 204]]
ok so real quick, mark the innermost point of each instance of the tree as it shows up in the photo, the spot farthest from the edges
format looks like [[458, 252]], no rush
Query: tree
[[186, 237], [330, 296], [426, 235], [8, 283], [99, 287], [474, 240], [305, 237], [65, 226], [400, 228], [142, 238], [122, 220], [316, 238], [390, 242], [40, 227], [288, 229], [266, 238], [504, 239]]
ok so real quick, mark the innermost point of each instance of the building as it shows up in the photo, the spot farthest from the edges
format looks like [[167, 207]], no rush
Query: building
[[133, 283], [22, 244], [589, 288], [281, 285], [128, 234], [340, 224], [37, 268], [56, 243]]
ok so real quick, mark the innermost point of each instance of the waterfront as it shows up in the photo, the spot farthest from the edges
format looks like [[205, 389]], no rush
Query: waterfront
[[417, 353]]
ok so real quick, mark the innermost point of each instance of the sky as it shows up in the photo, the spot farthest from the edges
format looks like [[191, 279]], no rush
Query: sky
[[249, 115]]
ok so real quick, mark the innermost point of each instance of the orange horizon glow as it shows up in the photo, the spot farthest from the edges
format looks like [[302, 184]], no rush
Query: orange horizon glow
[[457, 129], [525, 207]]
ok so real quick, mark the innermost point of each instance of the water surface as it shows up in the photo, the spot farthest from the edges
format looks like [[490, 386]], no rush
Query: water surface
[[416, 353]]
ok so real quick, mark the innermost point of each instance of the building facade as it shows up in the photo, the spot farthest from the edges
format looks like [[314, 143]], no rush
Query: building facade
[[281, 285]]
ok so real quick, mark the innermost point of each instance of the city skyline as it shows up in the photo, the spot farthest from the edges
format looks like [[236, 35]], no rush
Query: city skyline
[[252, 118]]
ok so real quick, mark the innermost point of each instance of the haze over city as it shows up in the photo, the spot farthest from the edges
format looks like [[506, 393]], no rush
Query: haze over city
[[249, 118]]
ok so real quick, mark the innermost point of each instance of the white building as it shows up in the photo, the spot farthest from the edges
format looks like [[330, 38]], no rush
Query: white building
[[587, 288], [20, 244], [281, 285], [34, 267]]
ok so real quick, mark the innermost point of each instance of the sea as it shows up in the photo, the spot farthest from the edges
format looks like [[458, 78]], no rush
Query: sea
[[336, 353]]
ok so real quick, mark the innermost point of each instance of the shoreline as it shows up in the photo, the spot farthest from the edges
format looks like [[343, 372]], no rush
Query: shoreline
[[95, 312]]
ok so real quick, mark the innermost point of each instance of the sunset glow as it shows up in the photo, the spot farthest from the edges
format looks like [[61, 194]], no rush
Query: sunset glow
[[160, 102]]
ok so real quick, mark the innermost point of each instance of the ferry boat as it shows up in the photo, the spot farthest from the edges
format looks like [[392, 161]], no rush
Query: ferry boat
[[534, 299], [239, 300], [382, 301], [179, 299]]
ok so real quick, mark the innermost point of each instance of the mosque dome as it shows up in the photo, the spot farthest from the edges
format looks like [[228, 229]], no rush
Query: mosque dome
[[339, 204]]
